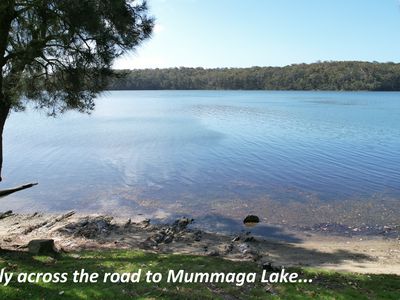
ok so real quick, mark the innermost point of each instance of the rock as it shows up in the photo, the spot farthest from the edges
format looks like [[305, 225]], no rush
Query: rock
[[236, 239], [250, 239], [158, 238], [243, 247], [198, 236], [169, 231], [168, 239], [8, 213], [213, 253], [145, 223], [102, 224], [45, 246], [128, 223], [82, 223], [34, 215], [182, 223], [249, 251], [149, 243], [89, 227], [60, 218], [251, 219], [256, 256], [228, 248], [34, 227]]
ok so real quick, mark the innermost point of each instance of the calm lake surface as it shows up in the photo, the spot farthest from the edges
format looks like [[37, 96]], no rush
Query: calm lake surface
[[211, 154]]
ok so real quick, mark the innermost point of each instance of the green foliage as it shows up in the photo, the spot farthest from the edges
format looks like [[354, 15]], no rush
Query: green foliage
[[325, 285], [59, 52], [339, 76]]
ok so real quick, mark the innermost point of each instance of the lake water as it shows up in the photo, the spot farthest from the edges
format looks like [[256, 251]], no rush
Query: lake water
[[212, 154]]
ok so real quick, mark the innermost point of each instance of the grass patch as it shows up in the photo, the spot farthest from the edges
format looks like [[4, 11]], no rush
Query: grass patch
[[325, 285]]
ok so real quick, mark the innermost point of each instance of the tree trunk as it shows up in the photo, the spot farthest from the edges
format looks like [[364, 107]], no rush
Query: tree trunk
[[4, 110], [7, 14]]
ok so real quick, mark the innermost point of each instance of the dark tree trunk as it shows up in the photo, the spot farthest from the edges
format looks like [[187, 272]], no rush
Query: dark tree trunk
[[4, 110], [7, 14]]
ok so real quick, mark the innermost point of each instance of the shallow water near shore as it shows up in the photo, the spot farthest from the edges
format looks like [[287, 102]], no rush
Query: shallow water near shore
[[293, 158]]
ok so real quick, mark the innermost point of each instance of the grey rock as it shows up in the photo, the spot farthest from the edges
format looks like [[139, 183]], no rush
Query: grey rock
[[8, 213], [213, 253], [250, 251], [149, 243], [169, 231], [145, 223], [168, 239], [182, 223], [243, 247], [236, 238], [128, 223], [229, 248], [43, 246], [250, 239], [158, 238], [197, 236]]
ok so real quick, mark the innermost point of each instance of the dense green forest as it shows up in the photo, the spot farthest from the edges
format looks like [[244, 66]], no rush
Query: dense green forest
[[349, 75]]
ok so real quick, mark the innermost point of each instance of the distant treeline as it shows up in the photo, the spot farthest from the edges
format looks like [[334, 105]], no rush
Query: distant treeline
[[346, 76]]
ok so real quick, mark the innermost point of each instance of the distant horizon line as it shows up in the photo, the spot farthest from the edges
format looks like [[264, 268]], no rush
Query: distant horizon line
[[265, 66]]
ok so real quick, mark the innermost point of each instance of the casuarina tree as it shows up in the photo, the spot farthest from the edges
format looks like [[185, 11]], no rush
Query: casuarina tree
[[57, 54]]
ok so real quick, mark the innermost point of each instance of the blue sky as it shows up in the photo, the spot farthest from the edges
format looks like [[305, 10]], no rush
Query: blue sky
[[244, 33]]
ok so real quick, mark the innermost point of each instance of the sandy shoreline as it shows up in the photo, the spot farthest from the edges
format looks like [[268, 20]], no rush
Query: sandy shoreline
[[72, 232]]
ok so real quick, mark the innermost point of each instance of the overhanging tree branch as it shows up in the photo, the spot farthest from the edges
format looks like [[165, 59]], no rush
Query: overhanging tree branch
[[10, 191], [67, 46]]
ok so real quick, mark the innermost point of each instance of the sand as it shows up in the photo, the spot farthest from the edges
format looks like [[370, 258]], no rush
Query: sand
[[74, 232]]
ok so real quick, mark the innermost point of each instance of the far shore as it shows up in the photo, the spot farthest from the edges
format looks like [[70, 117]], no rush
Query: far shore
[[74, 232]]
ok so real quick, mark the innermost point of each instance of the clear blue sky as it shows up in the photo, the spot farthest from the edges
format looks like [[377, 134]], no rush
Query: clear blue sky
[[243, 33]]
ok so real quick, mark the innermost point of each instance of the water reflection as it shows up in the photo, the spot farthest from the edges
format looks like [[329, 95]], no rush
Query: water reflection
[[186, 151]]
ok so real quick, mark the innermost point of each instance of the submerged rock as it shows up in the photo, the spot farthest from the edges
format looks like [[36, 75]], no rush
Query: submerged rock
[[251, 219], [182, 223]]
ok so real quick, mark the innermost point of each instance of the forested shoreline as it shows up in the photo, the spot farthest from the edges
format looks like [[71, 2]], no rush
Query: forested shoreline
[[336, 76]]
